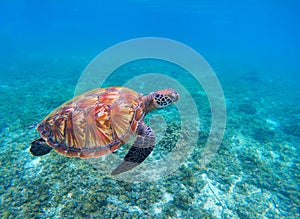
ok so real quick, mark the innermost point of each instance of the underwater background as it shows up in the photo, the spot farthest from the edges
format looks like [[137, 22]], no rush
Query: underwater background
[[252, 46]]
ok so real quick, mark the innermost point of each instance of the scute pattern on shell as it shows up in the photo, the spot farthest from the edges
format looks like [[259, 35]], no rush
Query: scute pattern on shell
[[94, 123]]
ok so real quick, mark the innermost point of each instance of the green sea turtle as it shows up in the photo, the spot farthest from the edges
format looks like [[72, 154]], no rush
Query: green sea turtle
[[99, 121]]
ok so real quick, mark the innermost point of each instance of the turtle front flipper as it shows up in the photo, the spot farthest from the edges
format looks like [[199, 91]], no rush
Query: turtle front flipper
[[139, 151], [39, 147]]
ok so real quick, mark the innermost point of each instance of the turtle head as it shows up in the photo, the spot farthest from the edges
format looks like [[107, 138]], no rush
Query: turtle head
[[163, 98]]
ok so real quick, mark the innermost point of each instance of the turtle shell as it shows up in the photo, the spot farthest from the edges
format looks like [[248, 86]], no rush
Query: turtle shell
[[93, 124]]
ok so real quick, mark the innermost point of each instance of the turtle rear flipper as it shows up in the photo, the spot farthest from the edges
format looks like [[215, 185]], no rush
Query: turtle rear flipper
[[139, 151], [39, 147]]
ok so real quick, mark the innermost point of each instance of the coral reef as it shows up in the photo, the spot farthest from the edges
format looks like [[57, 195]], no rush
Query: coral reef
[[254, 174]]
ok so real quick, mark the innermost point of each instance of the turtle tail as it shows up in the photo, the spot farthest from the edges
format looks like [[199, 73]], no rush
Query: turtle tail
[[39, 147]]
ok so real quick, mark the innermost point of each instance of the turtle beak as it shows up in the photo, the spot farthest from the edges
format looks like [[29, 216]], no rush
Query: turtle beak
[[172, 94], [175, 96]]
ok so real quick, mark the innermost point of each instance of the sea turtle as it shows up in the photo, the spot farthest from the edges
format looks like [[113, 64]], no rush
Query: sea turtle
[[99, 121]]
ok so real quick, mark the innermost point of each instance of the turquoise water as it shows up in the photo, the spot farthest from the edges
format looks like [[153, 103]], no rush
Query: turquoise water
[[253, 48]]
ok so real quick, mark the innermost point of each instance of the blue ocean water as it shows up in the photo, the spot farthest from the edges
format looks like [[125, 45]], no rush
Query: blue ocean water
[[253, 48]]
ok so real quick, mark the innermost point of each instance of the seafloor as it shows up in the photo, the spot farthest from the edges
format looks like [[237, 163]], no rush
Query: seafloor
[[254, 174]]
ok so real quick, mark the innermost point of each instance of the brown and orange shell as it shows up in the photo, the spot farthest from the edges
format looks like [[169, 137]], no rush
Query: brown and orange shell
[[93, 124]]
